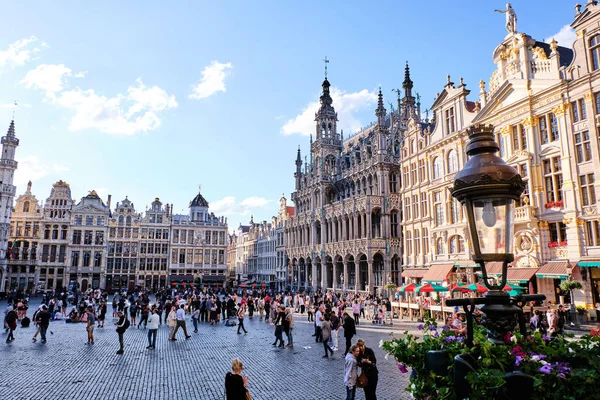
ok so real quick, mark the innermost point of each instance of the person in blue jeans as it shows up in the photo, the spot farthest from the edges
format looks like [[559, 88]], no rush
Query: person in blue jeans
[[153, 321], [351, 372]]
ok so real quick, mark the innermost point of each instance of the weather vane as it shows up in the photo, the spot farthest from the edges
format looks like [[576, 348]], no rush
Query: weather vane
[[14, 109], [397, 91], [326, 61], [199, 188]]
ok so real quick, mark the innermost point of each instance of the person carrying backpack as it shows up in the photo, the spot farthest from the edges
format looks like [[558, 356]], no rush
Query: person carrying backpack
[[10, 322], [122, 325]]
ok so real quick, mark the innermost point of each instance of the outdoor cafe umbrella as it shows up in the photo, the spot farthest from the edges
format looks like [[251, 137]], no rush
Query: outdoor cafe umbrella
[[457, 287], [513, 290], [477, 287], [510, 287], [242, 285], [408, 288], [430, 288]]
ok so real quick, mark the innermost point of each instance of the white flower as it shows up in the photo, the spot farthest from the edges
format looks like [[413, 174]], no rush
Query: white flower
[[381, 343], [412, 386], [513, 339], [386, 356], [543, 362], [571, 350], [535, 358]]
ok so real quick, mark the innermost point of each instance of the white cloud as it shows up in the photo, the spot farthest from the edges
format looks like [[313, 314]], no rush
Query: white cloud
[[345, 104], [123, 114], [19, 52], [31, 168], [565, 37], [80, 74], [47, 77], [230, 206], [213, 80]]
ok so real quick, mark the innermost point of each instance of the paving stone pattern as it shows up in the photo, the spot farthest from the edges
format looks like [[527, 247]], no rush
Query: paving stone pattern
[[66, 368]]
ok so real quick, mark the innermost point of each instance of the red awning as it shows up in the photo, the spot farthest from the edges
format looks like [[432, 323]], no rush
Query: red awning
[[437, 273], [414, 272]]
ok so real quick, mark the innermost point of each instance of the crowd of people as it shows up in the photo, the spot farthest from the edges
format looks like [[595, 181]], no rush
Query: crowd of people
[[328, 311]]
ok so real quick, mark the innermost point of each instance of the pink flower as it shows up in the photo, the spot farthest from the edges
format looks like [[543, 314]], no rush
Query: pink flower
[[402, 368]]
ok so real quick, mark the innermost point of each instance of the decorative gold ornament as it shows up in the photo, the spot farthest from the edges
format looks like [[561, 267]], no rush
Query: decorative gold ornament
[[580, 33], [588, 96], [567, 221], [530, 121], [561, 109], [543, 224], [579, 221], [540, 53]]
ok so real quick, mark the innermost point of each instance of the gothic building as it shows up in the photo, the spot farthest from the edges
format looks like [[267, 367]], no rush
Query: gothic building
[[346, 232], [8, 165]]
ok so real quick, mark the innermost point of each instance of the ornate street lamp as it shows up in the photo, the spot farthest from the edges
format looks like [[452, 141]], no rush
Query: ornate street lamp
[[488, 188]]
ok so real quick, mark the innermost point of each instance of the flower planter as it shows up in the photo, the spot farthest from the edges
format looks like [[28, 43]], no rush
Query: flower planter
[[437, 361]]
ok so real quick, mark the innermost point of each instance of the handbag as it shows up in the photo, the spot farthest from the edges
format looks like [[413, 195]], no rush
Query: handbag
[[362, 380]]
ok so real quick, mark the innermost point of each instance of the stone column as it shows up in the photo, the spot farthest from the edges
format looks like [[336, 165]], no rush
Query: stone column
[[334, 275], [370, 276], [369, 225], [313, 281], [298, 273], [324, 274], [356, 275], [346, 275]]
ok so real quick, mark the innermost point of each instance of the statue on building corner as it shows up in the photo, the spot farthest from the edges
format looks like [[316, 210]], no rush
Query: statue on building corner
[[511, 18]]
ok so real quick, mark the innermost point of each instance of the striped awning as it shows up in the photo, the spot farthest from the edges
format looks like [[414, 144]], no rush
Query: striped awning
[[437, 273], [553, 270]]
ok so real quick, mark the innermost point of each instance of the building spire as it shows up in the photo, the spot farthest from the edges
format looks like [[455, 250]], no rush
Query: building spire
[[11, 129], [407, 85], [326, 61], [380, 112]]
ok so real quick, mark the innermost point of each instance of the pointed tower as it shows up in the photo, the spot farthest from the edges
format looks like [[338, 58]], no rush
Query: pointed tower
[[298, 173], [8, 165], [380, 112], [408, 102]]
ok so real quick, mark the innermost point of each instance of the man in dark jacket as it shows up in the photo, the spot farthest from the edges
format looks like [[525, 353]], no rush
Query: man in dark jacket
[[349, 331], [43, 319], [122, 325]]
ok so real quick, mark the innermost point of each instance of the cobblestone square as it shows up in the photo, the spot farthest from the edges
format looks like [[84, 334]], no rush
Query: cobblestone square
[[66, 368]]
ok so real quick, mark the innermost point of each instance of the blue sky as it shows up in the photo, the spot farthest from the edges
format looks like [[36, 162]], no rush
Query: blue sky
[[149, 99]]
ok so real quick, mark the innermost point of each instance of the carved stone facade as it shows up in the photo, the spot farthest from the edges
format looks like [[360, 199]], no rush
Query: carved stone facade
[[346, 231], [434, 227]]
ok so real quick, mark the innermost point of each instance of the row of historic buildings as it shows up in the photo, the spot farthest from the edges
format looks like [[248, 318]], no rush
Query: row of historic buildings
[[374, 207], [371, 208], [64, 243]]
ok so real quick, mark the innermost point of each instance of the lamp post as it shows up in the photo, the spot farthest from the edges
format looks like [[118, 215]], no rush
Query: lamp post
[[488, 188]]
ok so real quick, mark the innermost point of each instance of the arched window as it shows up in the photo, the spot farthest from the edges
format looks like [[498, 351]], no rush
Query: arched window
[[457, 245], [128, 221], [452, 162], [121, 219], [437, 168], [439, 246]]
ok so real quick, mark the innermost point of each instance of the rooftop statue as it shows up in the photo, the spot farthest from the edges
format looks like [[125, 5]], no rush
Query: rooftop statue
[[511, 18]]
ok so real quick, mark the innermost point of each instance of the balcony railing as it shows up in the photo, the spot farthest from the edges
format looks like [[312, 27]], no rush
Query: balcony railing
[[524, 214]]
